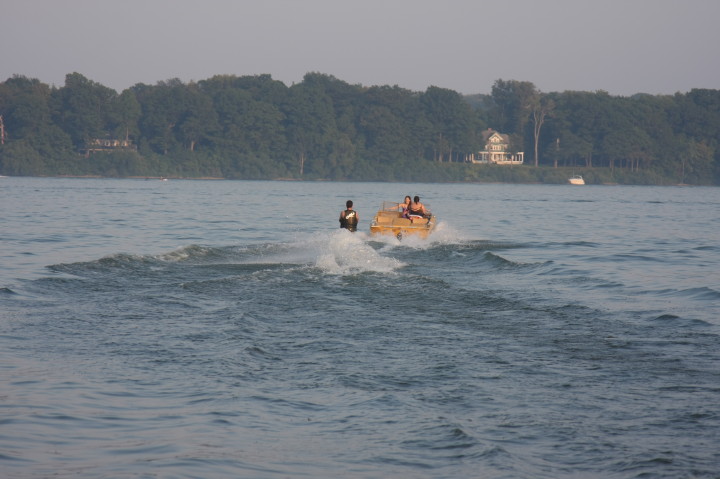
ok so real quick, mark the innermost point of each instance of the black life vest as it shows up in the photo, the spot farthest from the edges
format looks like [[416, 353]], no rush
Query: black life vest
[[349, 221]]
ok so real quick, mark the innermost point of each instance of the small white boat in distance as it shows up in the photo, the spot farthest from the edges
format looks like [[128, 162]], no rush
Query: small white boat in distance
[[576, 180]]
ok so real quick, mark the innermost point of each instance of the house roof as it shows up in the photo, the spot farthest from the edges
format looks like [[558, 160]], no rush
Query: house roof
[[490, 132]]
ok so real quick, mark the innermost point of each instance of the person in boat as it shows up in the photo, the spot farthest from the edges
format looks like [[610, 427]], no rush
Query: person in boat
[[349, 217], [405, 205], [416, 208], [401, 207]]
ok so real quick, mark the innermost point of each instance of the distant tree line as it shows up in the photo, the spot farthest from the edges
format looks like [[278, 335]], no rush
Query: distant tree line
[[254, 127]]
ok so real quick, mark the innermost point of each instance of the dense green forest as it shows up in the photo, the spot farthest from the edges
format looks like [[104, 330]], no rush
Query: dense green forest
[[254, 127]]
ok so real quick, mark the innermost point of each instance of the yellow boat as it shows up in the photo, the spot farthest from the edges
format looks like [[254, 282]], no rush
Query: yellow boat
[[390, 221]]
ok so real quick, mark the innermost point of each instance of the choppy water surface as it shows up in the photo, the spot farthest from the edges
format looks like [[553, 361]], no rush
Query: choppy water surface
[[229, 329]]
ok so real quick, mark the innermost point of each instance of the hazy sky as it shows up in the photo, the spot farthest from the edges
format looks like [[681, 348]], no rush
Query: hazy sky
[[621, 46]]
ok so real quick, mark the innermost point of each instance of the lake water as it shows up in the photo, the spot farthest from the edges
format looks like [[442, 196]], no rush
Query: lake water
[[217, 329]]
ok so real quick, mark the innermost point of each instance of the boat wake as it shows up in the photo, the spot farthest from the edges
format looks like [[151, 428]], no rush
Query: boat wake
[[336, 253], [344, 253]]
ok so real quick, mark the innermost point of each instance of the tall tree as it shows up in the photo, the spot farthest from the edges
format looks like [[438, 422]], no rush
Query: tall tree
[[453, 121], [198, 119], [25, 105], [310, 126], [540, 107], [82, 108], [696, 163], [512, 100], [163, 106], [125, 114]]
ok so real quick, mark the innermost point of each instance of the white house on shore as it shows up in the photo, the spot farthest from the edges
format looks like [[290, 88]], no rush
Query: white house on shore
[[496, 150], [107, 144]]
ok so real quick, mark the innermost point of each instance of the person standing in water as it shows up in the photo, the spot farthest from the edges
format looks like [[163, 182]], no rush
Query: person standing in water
[[349, 217]]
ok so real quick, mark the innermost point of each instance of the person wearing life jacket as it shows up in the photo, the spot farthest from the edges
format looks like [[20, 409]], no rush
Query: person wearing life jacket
[[349, 217]]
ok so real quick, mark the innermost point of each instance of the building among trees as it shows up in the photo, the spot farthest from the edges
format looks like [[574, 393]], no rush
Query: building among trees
[[497, 150], [107, 144]]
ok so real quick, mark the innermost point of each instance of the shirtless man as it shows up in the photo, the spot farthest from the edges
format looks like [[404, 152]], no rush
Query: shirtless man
[[417, 209]]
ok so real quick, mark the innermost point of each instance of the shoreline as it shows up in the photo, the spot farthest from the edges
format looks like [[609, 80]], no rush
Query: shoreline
[[217, 178]]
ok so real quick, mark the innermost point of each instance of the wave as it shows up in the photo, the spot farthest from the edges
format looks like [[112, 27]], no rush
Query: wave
[[676, 320], [701, 293], [337, 253], [501, 262], [624, 257], [347, 253], [583, 243]]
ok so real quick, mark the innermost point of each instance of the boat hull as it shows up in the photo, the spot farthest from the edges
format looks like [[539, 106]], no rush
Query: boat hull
[[392, 223]]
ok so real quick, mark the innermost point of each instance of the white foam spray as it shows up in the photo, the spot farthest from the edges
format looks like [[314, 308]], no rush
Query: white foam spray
[[343, 253]]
